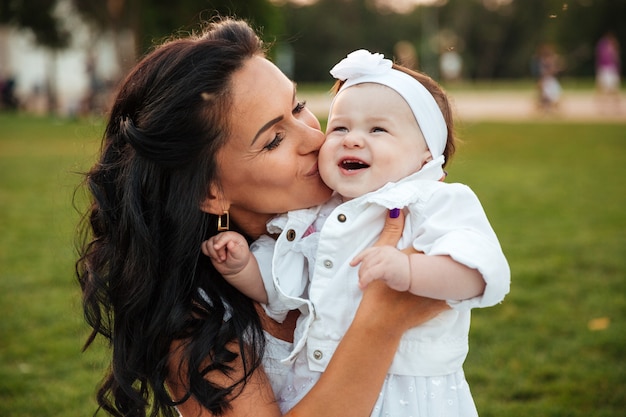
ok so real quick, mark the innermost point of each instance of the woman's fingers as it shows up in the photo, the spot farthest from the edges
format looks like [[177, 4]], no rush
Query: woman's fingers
[[404, 309], [392, 231]]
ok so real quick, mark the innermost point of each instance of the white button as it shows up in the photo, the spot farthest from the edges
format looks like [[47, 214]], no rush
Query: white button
[[328, 264]]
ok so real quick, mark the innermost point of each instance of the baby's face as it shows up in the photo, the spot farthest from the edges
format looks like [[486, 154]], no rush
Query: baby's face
[[372, 138]]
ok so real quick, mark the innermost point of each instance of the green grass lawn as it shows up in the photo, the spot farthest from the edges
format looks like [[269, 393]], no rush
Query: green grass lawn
[[555, 194]]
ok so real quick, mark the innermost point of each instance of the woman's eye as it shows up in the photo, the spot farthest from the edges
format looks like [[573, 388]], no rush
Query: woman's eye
[[299, 107], [274, 143]]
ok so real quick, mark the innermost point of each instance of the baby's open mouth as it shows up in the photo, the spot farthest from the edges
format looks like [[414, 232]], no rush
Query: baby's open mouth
[[352, 164]]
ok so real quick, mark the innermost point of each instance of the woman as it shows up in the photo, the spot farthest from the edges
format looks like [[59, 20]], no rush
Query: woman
[[206, 132]]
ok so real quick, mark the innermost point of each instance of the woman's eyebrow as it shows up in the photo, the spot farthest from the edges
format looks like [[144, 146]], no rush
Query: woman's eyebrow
[[275, 120], [266, 126]]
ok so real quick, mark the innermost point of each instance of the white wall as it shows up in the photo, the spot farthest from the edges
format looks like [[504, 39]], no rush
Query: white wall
[[28, 64]]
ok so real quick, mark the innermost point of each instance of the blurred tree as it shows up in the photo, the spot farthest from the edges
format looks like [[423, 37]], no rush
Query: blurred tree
[[503, 43], [150, 21], [325, 32], [499, 38], [581, 24], [38, 17], [496, 38]]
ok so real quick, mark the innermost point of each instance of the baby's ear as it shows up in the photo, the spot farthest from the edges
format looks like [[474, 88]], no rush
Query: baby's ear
[[214, 203]]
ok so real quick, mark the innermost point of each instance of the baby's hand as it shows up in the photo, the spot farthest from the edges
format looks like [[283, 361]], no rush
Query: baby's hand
[[386, 263], [229, 252]]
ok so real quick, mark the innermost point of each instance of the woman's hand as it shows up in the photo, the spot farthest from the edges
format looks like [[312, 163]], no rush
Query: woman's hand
[[387, 308], [282, 331]]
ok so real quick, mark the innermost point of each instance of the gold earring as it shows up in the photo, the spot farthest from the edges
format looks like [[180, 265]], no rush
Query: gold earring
[[223, 222]]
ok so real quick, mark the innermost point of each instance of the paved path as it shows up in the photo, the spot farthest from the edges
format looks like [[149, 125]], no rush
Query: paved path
[[575, 106]]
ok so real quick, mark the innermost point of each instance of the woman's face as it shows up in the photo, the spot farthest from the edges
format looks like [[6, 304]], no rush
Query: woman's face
[[269, 163]]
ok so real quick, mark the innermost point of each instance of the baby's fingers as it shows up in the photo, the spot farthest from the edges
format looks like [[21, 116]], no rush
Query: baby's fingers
[[360, 257], [207, 247], [368, 272], [214, 250], [364, 279], [369, 269]]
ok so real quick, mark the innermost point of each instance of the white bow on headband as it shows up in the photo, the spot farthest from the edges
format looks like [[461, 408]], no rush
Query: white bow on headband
[[362, 66]]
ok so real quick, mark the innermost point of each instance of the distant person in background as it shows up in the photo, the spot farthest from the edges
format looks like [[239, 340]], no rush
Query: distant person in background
[[89, 104], [8, 100], [450, 65], [547, 64], [608, 66]]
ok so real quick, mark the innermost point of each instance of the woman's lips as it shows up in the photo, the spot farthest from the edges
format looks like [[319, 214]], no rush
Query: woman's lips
[[313, 171]]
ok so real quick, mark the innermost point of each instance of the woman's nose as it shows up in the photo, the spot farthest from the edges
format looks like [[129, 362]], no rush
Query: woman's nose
[[312, 140], [311, 133]]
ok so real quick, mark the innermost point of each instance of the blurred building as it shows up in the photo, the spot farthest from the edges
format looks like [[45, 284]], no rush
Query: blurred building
[[71, 73]]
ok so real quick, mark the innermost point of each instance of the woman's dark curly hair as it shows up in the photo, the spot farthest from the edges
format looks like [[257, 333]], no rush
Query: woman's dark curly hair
[[145, 285]]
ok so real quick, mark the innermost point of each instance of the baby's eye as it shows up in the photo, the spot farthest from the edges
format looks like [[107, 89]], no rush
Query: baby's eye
[[378, 129], [274, 143], [339, 129]]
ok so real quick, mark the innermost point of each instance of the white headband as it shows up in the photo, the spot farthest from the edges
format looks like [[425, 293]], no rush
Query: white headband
[[365, 67]]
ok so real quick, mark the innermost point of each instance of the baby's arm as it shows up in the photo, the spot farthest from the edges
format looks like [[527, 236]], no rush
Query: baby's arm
[[438, 276], [231, 256]]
